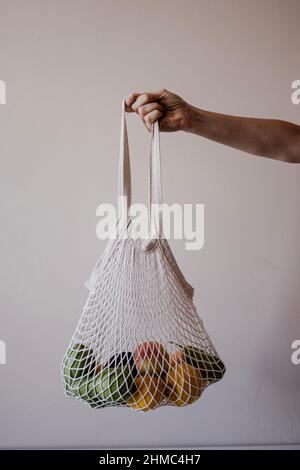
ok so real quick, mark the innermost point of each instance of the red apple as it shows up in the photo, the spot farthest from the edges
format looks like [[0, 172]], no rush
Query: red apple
[[151, 357]]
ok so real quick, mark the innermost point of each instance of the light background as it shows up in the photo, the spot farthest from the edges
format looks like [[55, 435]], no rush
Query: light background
[[67, 64]]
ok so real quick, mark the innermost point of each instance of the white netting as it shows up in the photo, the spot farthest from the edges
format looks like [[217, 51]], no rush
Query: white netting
[[139, 341]]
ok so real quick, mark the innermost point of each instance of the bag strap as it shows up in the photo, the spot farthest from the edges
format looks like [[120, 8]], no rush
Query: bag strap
[[155, 183], [124, 183]]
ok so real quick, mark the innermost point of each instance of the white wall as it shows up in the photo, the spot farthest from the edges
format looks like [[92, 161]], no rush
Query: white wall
[[67, 65]]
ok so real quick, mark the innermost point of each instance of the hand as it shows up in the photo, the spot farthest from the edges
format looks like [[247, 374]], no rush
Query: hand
[[171, 110]]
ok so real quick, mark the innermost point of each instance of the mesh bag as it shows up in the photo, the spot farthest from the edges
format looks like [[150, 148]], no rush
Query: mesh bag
[[139, 341]]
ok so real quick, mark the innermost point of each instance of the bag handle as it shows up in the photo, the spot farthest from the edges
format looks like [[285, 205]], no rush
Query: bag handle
[[124, 183], [155, 183]]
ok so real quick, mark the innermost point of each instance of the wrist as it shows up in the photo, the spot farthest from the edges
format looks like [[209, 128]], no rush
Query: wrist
[[195, 118]]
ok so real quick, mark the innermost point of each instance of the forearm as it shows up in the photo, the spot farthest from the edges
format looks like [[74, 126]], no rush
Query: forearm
[[275, 139]]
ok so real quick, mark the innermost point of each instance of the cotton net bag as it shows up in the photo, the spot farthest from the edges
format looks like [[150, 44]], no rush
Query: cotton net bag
[[139, 342]]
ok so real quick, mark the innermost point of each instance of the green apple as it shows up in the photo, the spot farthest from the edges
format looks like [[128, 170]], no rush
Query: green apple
[[86, 390], [93, 391], [211, 366], [78, 362], [79, 388], [114, 385]]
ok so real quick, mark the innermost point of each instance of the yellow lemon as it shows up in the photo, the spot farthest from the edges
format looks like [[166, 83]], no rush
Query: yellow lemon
[[149, 393], [184, 384]]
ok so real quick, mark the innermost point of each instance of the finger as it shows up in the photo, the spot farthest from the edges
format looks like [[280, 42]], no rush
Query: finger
[[148, 108], [152, 117], [145, 98], [129, 100]]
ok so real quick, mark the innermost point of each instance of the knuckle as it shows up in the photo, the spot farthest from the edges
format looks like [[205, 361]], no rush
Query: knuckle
[[142, 111]]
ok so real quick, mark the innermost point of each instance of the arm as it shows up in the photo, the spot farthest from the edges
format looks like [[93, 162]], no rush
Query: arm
[[270, 138]]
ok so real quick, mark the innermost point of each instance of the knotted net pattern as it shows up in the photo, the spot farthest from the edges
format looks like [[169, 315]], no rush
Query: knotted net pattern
[[139, 342]]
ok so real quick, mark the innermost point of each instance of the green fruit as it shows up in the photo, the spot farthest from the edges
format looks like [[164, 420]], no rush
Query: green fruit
[[93, 392], [79, 361], [109, 386], [79, 388], [211, 366], [114, 385], [84, 389]]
